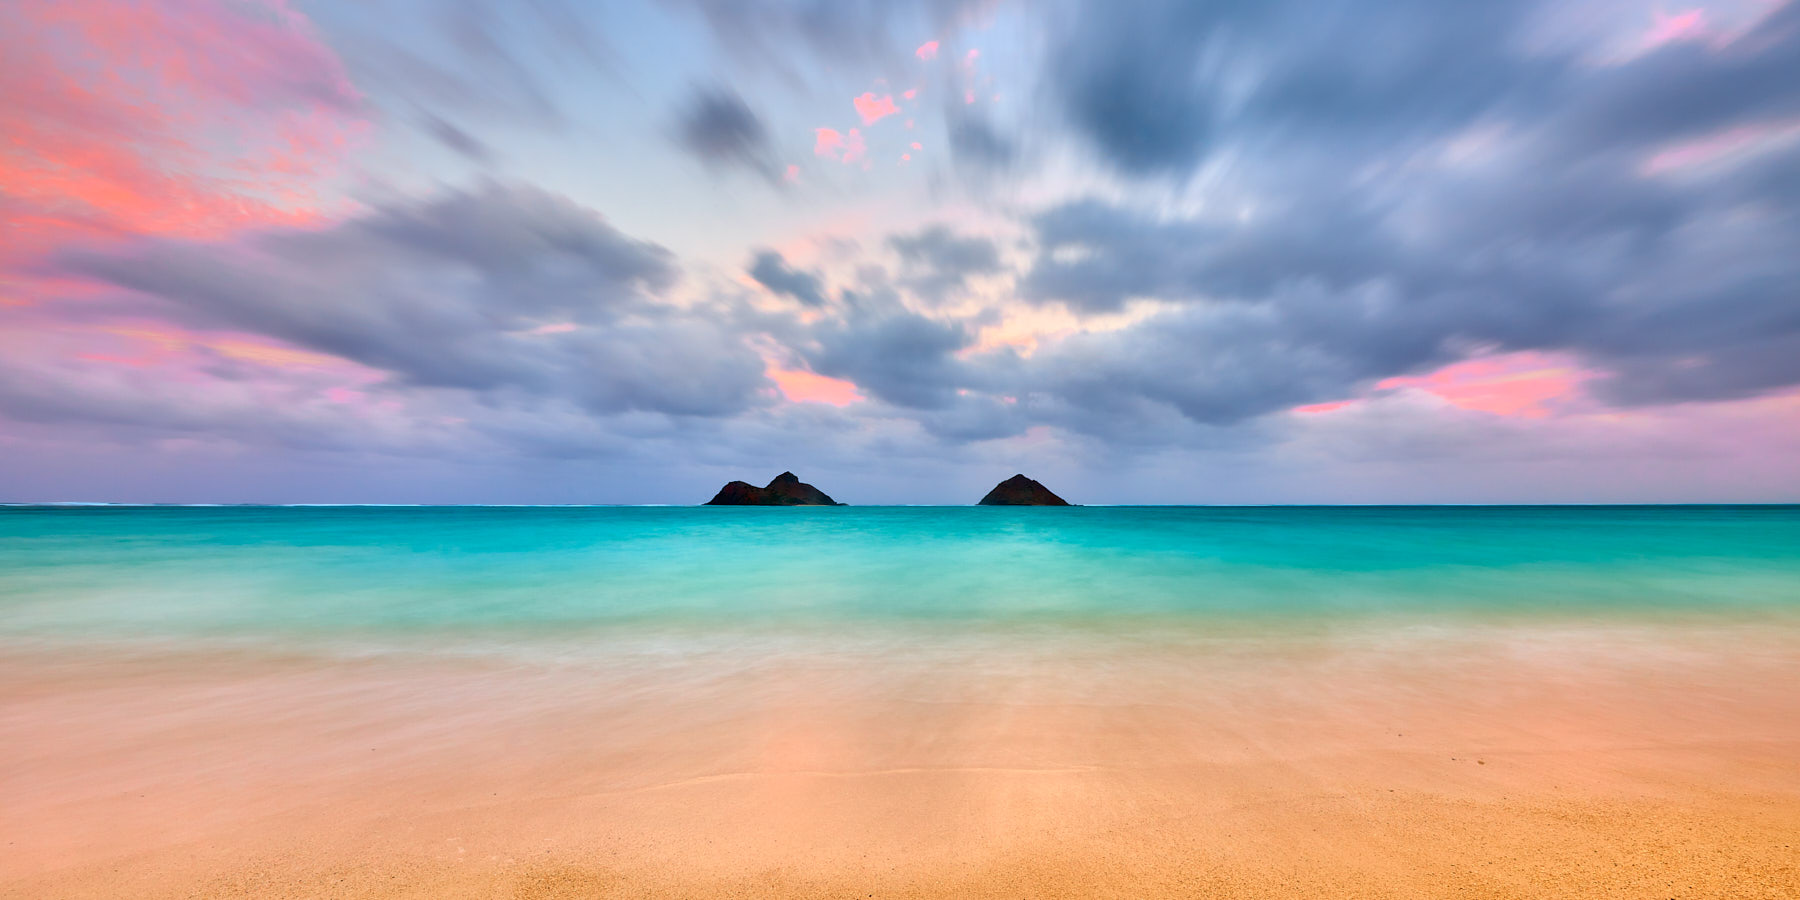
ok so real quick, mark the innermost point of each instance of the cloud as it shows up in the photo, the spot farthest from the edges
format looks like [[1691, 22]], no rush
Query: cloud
[[1311, 306], [99, 104], [895, 355], [771, 270], [1208, 365], [1370, 223], [455, 292], [855, 149], [975, 143], [457, 139], [1156, 86], [873, 109], [1131, 85], [1095, 256], [848, 147], [1395, 229], [937, 259], [1161, 88], [1518, 384], [720, 129], [1686, 25], [802, 386]]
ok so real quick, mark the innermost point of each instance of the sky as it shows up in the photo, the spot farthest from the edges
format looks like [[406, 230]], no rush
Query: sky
[[1145, 251]]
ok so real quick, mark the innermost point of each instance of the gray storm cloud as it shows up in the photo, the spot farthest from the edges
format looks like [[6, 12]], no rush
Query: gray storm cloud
[[501, 287]]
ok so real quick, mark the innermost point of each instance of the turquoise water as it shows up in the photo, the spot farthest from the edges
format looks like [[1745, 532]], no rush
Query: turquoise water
[[72, 574]]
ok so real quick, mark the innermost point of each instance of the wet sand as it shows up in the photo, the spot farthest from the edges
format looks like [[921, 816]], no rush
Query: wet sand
[[1515, 763]]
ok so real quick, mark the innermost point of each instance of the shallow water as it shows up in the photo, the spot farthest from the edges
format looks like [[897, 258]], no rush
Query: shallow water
[[455, 577]]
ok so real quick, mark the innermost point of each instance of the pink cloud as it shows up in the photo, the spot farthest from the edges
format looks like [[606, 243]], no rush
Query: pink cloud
[[911, 93], [792, 175], [162, 370], [927, 50], [873, 109], [200, 119], [801, 386], [1731, 142], [1313, 409], [194, 119], [847, 147], [157, 357], [1683, 26], [1514, 384], [854, 148], [917, 146], [1526, 385]]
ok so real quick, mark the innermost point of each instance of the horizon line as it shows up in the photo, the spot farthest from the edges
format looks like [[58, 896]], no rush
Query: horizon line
[[78, 504]]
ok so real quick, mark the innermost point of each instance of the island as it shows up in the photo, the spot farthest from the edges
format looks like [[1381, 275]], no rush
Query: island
[[1021, 491], [786, 490]]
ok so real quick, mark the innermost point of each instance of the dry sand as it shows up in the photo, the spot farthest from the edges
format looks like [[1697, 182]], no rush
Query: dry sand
[[1559, 766]]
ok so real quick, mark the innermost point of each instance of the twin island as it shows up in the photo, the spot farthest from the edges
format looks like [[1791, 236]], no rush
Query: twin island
[[788, 490]]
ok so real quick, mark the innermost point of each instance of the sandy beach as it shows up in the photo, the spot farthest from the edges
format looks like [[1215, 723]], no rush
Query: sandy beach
[[1526, 762]]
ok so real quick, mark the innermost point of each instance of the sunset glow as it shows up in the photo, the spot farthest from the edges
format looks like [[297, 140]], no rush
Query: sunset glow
[[801, 386], [489, 234]]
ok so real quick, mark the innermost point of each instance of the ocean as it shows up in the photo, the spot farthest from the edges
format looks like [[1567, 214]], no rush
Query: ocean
[[357, 579]]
